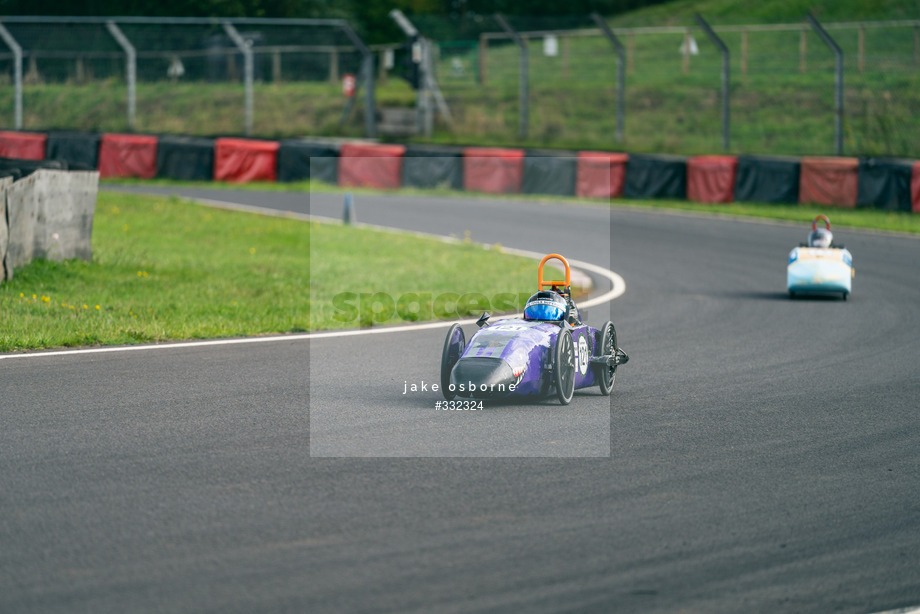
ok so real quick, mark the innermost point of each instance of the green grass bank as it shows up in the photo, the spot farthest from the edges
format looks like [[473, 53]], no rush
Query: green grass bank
[[166, 269]]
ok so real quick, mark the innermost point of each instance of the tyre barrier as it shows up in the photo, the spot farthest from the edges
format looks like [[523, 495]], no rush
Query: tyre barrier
[[493, 170], [370, 165], [128, 155], [884, 183], [711, 179]]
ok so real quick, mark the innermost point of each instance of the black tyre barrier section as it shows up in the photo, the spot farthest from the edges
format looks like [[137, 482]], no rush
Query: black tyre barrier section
[[303, 160], [768, 179], [185, 158], [656, 176], [430, 166], [80, 150], [549, 172], [884, 183]]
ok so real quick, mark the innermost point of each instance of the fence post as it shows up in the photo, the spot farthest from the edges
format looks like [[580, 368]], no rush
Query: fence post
[[631, 53], [803, 49], [522, 94], [726, 79], [917, 44], [367, 71], [17, 74], [334, 66], [861, 52], [621, 71], [483, 47], [130, 68], [566, 52], [419, 51], [838, 80], [245, 48], [744, 52]]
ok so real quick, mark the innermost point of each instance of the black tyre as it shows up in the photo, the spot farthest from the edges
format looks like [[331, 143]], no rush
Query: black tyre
[[454, 344], [606, 346], [845, 295], [564, 367]]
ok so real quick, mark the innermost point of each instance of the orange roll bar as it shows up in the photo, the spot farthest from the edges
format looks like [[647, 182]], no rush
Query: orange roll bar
[[568, 272]]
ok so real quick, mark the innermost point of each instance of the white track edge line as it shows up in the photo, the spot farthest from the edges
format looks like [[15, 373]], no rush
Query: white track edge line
[[617, 290]]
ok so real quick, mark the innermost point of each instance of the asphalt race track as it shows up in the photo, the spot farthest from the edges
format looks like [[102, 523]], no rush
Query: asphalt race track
[[758, 453]]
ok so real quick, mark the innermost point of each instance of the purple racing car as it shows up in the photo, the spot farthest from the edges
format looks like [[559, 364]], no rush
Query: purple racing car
[[549, 351]]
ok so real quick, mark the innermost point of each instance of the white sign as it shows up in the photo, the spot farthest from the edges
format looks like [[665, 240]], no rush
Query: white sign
[[688, 46], [550, 45]]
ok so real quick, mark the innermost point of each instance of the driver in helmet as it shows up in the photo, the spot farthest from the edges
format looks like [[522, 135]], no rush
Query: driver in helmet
[[550, 305], [820, 237], [545, 305]]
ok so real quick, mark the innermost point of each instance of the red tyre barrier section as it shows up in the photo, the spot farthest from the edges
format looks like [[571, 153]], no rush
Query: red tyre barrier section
[[915, 188], [128, 155], [829, 181], [493, 170], [711, 179], [22, 145], [369, 165], [242, 160], [600, 174]]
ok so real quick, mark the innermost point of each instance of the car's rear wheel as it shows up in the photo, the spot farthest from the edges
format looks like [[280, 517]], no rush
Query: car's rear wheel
[[606, 346], [454, 344], [564, 371]]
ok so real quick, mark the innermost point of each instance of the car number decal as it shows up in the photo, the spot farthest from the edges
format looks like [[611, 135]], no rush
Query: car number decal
[[581, 361]]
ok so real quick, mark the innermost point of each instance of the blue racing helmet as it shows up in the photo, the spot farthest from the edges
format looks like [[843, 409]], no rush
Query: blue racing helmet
[[545, 305]]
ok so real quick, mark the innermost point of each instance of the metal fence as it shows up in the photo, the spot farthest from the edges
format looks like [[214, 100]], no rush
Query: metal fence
[[534, 82], [768, 88], [73, 50]]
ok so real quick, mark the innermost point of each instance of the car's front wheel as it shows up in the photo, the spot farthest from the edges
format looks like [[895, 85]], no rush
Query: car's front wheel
[[606, 346], [454, 344], [564, 371]]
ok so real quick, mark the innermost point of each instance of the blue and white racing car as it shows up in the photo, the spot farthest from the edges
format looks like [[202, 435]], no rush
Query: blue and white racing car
[[820, 266]]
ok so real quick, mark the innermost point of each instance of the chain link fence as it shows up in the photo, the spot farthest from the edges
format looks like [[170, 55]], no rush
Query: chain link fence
[[564, 91], [175, 61], [781, 85]]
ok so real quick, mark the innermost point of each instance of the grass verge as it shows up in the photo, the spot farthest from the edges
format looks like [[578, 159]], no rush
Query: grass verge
[[167, 269]]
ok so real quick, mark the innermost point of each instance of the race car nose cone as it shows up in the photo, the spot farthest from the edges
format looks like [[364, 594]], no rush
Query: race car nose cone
[[481, 377]]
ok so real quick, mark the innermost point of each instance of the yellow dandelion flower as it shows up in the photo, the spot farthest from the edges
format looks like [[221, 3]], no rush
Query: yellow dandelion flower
[[97, 307], [252, 250]]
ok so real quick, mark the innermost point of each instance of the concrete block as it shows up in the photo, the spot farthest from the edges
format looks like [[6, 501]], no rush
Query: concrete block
[[66, 203], [5, 183], [21, 212], [50, 215]]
